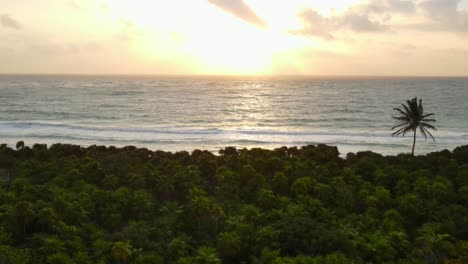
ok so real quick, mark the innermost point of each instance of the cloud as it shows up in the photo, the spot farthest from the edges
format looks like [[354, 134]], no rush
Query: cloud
[[7, 21], [376, 16], [360, 23], [241, 10], [440, 9], [445, 16], [388, 6], [317, 25], [401, 6]]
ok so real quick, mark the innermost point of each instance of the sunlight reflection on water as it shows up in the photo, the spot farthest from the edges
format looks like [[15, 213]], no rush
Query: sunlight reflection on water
[[210, 113]]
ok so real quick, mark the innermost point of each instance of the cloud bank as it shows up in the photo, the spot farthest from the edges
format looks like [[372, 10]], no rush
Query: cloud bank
[[378, 16], [315, 24]]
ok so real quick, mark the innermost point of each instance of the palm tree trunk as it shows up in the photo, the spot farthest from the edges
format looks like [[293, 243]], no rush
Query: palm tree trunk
[[414, 143]]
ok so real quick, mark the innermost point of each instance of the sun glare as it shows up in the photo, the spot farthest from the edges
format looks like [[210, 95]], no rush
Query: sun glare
[[219, 42]]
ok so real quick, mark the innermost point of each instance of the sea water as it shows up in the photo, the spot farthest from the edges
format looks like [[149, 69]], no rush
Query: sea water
[[187, 113]]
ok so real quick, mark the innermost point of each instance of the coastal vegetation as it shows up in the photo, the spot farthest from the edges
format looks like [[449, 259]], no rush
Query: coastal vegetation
[[412, 117], [97, 204]]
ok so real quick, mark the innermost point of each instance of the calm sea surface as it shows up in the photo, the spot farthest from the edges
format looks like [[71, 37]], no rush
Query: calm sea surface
[[187, 113]]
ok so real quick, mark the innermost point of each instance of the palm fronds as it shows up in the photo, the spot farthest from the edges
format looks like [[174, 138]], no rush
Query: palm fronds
[[411, 117]]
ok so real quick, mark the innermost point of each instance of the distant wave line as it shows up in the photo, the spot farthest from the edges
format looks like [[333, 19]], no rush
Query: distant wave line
[[195, 131]]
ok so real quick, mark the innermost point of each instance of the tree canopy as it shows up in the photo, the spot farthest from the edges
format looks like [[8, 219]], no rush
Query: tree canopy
[[72, 204]]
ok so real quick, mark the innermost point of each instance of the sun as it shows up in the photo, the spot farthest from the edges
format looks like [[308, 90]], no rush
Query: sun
[[235, 47], [216, 41]]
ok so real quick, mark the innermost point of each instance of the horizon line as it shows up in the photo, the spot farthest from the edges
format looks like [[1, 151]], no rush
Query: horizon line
[[231, 75]]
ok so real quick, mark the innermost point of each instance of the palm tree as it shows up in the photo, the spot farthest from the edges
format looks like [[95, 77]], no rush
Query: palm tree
[[412, 118]]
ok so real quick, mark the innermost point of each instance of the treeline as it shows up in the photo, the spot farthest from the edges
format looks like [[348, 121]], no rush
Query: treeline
[[71, 204]]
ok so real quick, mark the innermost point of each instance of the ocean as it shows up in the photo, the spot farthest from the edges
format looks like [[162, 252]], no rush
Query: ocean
[[187, 113]]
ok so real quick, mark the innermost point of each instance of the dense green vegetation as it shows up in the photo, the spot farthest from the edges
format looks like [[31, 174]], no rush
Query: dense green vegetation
[[69, 204]]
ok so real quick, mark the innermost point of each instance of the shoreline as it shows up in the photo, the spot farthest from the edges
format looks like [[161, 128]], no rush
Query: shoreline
[[41, 146]]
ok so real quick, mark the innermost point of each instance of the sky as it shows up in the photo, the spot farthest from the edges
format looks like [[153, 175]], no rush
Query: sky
[[235, 37]]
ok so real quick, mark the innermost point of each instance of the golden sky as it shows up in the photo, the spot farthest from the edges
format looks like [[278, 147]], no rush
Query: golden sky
[[253, 37]]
